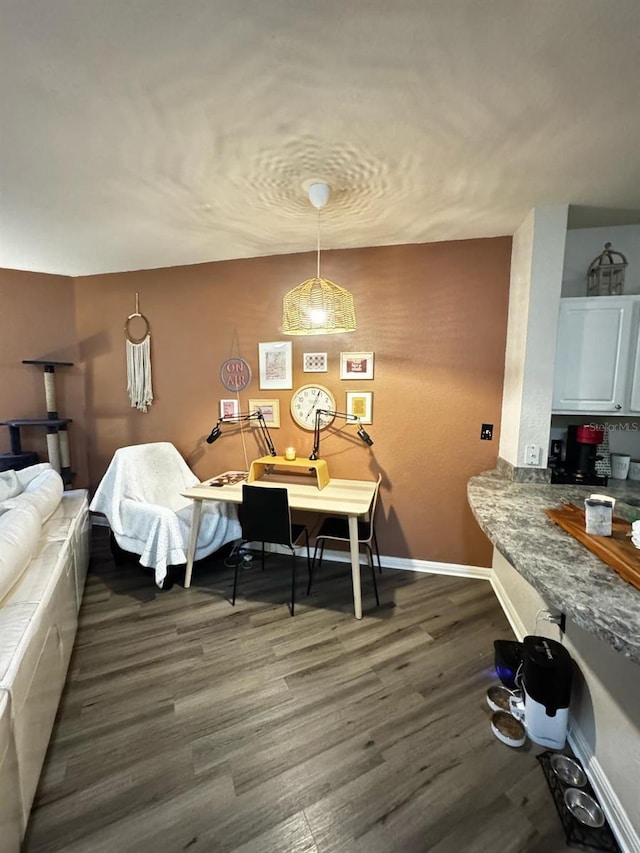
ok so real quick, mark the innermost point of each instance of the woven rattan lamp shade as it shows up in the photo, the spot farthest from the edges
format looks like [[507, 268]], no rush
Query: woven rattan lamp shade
[[318, 307]]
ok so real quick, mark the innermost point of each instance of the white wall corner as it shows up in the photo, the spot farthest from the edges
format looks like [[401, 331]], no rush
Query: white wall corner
[[515, 349], [537, 260]]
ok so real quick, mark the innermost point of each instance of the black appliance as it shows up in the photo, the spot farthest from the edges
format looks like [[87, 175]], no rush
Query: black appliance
[[580, 460], [546, 676], [508, 659]]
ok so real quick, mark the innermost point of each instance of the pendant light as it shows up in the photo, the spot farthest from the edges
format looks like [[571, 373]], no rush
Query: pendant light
[[318, 306]]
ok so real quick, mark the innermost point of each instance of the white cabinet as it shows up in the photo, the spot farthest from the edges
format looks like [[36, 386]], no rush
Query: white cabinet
[[634, 381], [598, 356]]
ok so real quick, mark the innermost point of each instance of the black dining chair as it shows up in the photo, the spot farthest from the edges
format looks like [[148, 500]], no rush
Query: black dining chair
[[265, 517], [336, 528]]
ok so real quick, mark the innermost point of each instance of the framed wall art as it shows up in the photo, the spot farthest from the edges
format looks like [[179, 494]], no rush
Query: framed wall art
[[360, 404], [270, 412], [356, 365], [314, 362], [229, 408], [275, 365]]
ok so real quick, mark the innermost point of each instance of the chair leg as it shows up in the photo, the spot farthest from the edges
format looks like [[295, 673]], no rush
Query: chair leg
[[373, 571], [235, 583], [375, 543], [306, 539], [293, 581], [262, 556], [312, 568]]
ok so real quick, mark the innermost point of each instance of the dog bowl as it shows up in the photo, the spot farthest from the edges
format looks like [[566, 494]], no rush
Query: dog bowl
[[498, 697], [507, 729], [568, 771], [583, 807]]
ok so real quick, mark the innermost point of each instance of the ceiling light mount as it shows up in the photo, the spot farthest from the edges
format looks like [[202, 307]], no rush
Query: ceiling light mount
[[319, 195]]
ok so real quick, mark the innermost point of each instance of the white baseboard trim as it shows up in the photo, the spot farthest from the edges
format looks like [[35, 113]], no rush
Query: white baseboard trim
[[618, 821], [625, 834], [426, 566], [407, 565], [517, 625]]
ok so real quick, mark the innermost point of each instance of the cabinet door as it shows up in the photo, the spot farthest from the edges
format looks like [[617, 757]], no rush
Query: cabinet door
[[634, 375], [592, 354]]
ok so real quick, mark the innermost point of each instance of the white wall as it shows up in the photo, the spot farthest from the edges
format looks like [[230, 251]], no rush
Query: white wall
[[605, 703], [585, 244], [537, 260]]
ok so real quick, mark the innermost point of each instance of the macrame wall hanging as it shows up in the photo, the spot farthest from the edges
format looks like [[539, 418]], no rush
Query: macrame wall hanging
[[139, 363]]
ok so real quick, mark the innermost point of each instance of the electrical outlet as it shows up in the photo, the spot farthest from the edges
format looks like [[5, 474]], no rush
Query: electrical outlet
[[532, 454], [486, 432]]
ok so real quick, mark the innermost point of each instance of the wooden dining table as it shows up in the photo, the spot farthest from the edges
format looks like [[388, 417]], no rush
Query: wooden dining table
[[350, 498]]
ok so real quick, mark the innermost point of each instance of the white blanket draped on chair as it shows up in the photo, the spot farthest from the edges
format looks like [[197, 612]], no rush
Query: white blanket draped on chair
[[140, 496]]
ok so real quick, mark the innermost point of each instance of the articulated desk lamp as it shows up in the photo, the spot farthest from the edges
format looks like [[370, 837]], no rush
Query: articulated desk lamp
[[215, 433], [353, 419]]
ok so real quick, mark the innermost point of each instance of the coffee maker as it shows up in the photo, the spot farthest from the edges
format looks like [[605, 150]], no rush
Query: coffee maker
[[579, 465]]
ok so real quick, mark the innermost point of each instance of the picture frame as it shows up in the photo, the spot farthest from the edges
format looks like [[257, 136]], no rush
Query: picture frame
[[276, 369], [360, 405], [356, 365], [229, 408], [314, 362], [270, 411]]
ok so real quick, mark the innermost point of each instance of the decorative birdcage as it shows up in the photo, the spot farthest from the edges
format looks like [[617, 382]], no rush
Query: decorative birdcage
[[606, 274]]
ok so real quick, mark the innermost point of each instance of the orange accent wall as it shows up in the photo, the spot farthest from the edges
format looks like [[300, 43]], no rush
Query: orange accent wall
[[435, 316], [37, 321]]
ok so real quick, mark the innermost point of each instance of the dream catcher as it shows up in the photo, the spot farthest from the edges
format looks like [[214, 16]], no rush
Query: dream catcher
[[139, 363]]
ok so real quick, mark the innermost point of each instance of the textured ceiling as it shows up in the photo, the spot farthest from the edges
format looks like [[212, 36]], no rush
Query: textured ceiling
[[148, 133]]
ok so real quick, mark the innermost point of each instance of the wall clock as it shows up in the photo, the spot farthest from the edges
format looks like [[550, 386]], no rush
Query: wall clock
[[306, 400]]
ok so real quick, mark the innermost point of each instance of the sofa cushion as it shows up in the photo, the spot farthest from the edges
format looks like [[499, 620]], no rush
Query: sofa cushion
[[10, 807], [19, 535], [26, 475], [45, 567], [14, 630], [13, 482], [9, 485], [43, 491]]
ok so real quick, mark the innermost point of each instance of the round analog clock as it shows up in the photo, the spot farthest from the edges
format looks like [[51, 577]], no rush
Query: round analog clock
[[305, 402]]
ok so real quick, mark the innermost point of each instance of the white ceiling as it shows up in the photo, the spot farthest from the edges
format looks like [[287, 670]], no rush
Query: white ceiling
[[148, 133]]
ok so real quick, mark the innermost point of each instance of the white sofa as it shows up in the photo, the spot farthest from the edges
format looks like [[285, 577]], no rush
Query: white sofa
[[44, 555]]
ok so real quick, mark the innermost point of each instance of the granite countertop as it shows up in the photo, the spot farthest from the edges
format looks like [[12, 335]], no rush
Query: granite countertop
[[565, 573]]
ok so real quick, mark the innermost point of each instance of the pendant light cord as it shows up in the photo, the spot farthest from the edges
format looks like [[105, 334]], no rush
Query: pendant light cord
[[318, 260]]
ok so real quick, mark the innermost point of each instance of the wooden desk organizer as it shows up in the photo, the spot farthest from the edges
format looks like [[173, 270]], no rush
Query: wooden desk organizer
[[258, 466]]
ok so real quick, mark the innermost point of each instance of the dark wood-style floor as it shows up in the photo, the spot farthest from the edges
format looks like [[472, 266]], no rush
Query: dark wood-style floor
[[187, 724]]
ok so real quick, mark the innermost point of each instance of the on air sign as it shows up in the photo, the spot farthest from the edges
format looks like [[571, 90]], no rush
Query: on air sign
[[235, 374]]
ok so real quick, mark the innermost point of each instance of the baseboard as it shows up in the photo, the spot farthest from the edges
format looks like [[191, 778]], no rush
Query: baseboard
[[618, 821], [408, 565], [625, 834], [517, 625]]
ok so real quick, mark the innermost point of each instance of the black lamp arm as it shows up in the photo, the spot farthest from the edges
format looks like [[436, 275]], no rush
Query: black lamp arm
[[265, 433], [247, 416], [347, 417]]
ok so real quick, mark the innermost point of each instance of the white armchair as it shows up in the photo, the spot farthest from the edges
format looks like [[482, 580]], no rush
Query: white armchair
[[140, 494]]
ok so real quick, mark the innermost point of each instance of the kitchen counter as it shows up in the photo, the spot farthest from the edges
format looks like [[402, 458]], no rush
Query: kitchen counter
[[568, 576]]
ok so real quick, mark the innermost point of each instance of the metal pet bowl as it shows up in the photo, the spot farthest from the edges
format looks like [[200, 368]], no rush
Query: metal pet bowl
[[498, 697], [507, 729], [583, 807], [568, 771]]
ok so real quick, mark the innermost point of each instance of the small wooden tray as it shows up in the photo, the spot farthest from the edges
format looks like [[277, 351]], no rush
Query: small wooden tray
[[617, 550]]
